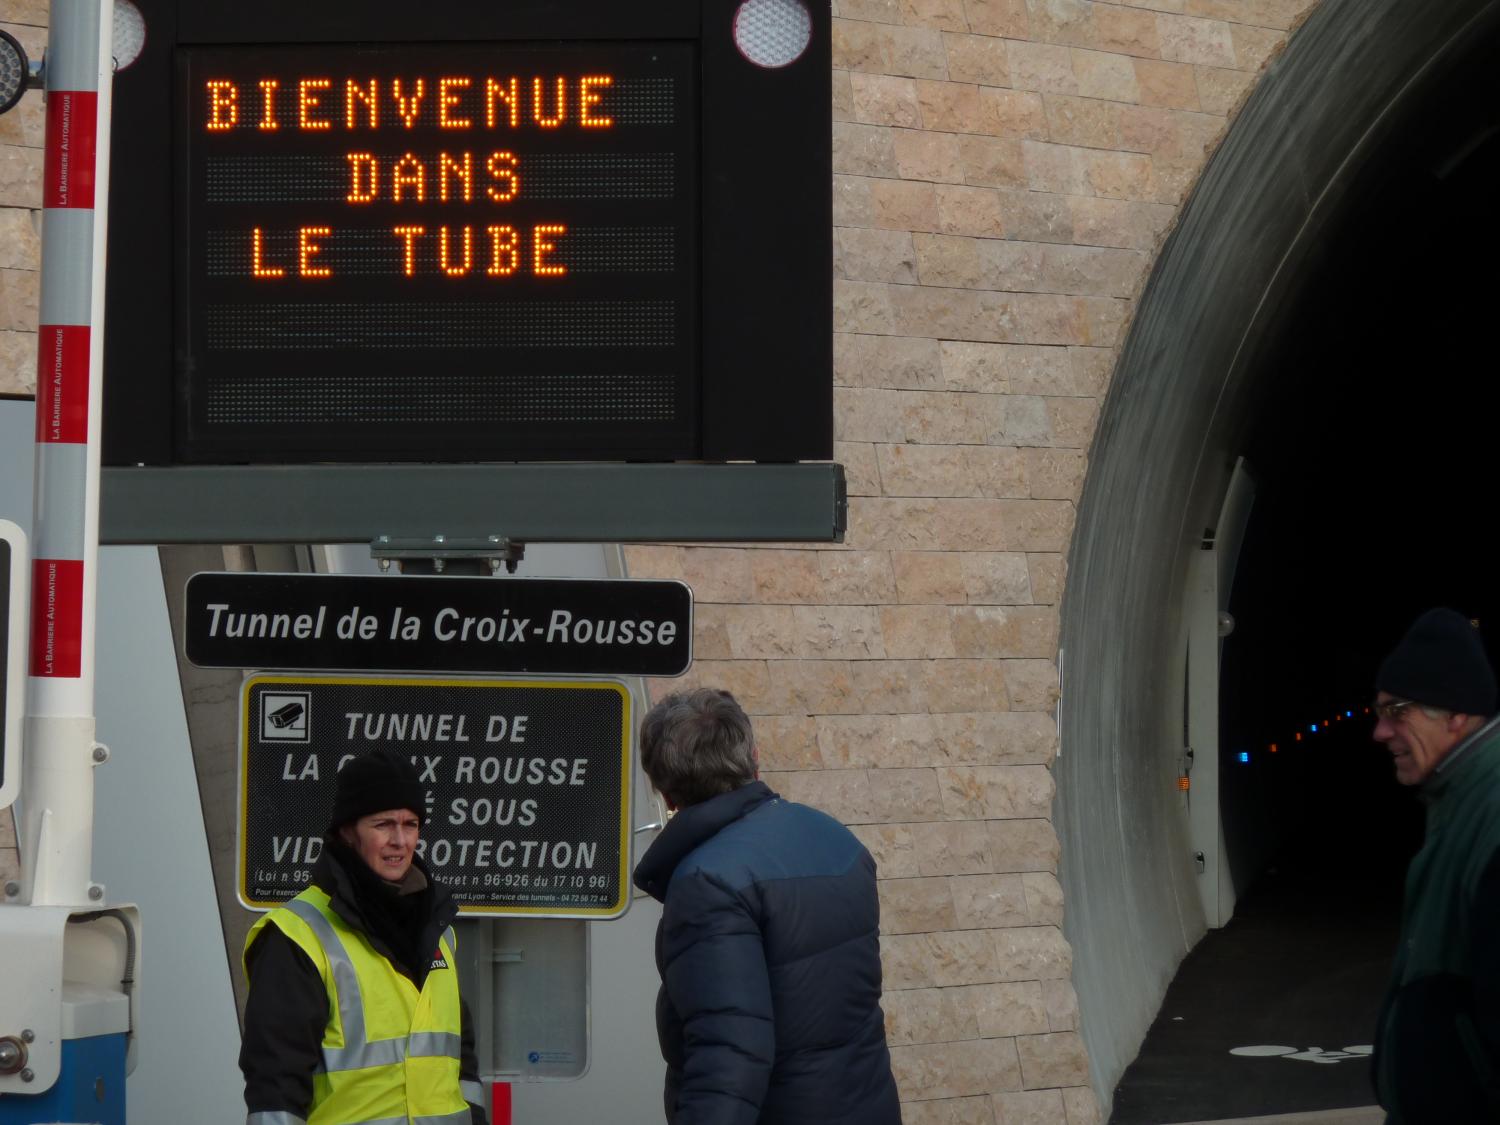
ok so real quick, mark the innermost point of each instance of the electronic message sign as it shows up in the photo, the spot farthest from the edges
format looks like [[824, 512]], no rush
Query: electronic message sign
[[497, 240], [358, 232], [528, 785]]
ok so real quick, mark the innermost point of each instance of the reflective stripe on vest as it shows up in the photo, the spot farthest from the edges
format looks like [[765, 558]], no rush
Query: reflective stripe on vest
[[356, 1053], [274, 1117]]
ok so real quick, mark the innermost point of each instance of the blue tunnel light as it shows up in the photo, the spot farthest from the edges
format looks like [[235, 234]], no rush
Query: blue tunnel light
[[1348, 714], [1244, 755], [1313, 727]]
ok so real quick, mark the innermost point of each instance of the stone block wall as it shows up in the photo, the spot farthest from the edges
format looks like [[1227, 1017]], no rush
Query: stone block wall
[[20, 209], [1004, 171]]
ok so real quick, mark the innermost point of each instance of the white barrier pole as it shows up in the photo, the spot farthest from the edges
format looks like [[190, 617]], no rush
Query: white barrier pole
[[57, 792]]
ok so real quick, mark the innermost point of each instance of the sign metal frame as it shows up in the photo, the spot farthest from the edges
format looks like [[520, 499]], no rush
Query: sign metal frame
[[559, 503], [623, 838]]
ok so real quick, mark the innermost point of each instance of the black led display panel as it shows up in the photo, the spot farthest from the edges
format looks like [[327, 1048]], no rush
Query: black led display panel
[[487, 249]]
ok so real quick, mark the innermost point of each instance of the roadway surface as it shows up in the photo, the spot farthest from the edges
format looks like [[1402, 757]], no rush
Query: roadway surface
[[1293, 984]]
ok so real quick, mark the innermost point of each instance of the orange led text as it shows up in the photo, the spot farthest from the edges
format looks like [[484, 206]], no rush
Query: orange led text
[[451, 102]]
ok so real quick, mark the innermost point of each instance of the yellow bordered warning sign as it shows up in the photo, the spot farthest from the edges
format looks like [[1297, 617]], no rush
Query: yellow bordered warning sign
[[527, 784]]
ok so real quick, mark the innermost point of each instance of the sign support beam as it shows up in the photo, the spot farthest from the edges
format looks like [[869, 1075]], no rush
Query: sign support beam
[[533, 503]]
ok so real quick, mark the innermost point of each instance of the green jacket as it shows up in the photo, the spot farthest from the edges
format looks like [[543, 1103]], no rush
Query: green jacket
[[1437, 1046]]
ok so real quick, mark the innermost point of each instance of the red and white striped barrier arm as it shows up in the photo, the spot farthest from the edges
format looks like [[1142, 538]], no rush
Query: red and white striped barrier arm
[[69, 359], [57, 772]]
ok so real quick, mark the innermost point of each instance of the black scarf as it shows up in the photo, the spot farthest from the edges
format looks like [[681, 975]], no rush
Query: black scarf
[[398, 921]]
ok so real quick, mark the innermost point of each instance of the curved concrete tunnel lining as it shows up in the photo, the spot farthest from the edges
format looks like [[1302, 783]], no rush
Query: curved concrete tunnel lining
[[1162, 454]]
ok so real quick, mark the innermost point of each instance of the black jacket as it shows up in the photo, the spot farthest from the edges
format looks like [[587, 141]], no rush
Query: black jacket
[[769, 1011], [286, 1010], [1437, 1046]]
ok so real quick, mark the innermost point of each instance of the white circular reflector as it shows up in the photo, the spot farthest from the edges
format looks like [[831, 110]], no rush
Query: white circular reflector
[[772, 33], [129, 36]]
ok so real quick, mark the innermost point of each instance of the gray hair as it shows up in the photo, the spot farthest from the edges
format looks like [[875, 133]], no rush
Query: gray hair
[[696, 745]]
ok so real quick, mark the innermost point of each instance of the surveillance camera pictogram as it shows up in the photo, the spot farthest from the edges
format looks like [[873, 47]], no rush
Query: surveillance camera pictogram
[[285, 716]]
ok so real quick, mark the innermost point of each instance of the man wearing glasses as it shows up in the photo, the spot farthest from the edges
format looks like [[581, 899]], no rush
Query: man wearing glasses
[[1437, 1046]]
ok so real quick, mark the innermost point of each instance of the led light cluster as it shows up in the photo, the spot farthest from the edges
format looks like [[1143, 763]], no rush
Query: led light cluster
[[772, 33], [417, 178], [454, 102], [406, 177], [416, 395], [1312, 728], [13, 68], [282, 325]]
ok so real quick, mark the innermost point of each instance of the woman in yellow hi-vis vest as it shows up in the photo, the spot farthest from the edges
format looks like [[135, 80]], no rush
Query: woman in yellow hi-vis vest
[[353, 1014]]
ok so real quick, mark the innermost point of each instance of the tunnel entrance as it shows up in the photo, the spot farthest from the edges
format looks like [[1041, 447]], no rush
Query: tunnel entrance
[[1371, 439], [1374, 451]]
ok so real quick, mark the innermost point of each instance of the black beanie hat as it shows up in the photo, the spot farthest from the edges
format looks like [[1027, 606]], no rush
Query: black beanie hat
[[1441, 662], [380, 780]]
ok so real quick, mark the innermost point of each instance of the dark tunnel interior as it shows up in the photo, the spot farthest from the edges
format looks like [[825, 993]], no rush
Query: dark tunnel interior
[[1372, 449], [1370, 437]]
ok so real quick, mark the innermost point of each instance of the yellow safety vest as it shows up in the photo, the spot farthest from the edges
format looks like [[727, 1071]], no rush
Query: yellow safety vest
[[390, 1053]]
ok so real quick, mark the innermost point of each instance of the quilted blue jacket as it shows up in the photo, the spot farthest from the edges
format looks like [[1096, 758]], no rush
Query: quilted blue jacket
[[768, 948]]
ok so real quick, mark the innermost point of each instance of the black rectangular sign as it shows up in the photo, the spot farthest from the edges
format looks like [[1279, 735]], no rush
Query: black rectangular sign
[[551, 626], [527, 784], [494, 233]]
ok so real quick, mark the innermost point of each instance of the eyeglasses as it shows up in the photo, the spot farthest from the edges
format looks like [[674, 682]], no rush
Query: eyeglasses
[[1393, 709]]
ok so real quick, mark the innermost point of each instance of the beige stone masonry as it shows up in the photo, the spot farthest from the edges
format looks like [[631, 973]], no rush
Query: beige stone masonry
[[954, 1111], [20, 239], [1062, 1005], [21, 133], [1052, 1060], [18, 362], [972, 1066], [1030, 1107]]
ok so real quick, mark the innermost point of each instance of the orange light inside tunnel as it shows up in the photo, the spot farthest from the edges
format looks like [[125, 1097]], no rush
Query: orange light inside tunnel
[[1184, 784], [1273, 747], [1299, 736]]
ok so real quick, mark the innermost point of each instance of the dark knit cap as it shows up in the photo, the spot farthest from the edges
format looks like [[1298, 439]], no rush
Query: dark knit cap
[[380, 780], [1441, 662]]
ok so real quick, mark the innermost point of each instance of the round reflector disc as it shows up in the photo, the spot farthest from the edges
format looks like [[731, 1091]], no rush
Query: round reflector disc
[[13, 67], [772, 33]]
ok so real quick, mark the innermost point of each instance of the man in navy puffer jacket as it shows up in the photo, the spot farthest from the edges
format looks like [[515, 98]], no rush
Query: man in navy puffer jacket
[[768, 948]]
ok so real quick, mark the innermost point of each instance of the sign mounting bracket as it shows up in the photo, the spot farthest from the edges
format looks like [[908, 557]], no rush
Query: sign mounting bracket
[[440, 554]]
